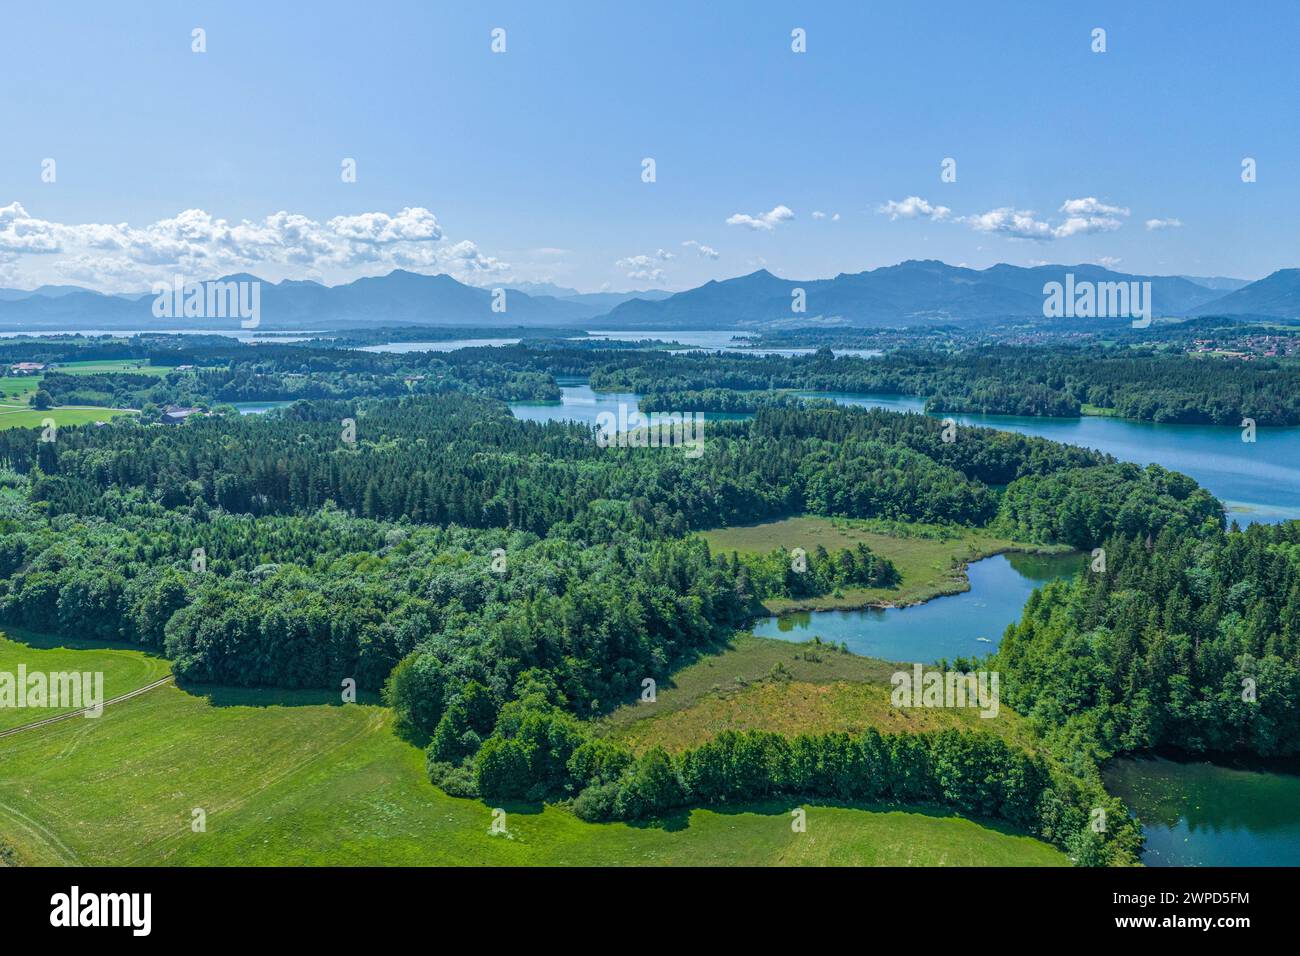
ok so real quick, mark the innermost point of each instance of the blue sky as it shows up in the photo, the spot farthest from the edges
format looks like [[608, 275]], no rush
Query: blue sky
[[527, 165]]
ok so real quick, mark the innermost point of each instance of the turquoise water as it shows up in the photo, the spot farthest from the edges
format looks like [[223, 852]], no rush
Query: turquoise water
[[1196, 813], [580, 404], [1257, 482], [945, 628], [259, 408]]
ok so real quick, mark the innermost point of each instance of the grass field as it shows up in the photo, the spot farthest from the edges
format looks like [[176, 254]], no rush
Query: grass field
[[134, 366], [286, 778], [16, 391], [744, 661], [821, 690], [63, 417], [124, 667], [929, 566]]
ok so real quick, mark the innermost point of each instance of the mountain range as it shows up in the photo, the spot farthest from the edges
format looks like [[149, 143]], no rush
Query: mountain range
[[914, 292]]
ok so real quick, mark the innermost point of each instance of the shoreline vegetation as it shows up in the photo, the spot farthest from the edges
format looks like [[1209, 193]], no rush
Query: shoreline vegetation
[[1129, 381], [294, 777], [507, 583], [918, 552]]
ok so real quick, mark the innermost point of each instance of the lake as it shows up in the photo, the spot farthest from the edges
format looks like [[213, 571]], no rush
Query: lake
[[447, 345], [259, 408], [247, 336], [1196, 813], [715, 341], [1257, 482], [944, 628], [578, 403], [1193, 813]]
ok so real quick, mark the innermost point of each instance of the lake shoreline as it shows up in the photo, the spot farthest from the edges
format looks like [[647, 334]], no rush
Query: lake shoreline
[[960, 584], [1228, 760]]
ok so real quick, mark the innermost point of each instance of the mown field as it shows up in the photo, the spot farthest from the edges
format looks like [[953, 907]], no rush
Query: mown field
[[763, 684], [124, 667], [290, 778], [134, 366], [11, 417], [14, 389], [929, 561], [16, 392]]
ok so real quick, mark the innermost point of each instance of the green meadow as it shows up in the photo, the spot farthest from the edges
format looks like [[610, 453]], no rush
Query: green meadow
[[100, 367], [17, 389], [298, 778], [125, 667], [63, 417], [929, 560], [759, 683], [16, 393]]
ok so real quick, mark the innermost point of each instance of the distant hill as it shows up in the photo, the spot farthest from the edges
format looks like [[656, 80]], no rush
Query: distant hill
[[47, 291], [397, 298], [910, 293], [1274, 296], [914, 292], [602, 301], [1218, 283]]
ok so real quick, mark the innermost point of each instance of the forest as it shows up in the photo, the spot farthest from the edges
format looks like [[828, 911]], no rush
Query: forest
[[502, 581], [1147, 382], [457, 459], [1139, 382], [1185, 640]]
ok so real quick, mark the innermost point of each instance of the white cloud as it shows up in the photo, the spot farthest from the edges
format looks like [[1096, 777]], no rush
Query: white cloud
[[1088, 215], [1082, 225], [119, 257], [19, 232], [1090, 206], [708, 252], [1083, 216], [1019, 223], [409, 225], [765, 221], [644, 267], [1110, 262], [913, 207], [1153, 224], [833, 217]]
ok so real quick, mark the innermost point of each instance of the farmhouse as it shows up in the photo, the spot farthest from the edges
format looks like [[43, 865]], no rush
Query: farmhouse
[[176, 414], [27, 368]]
